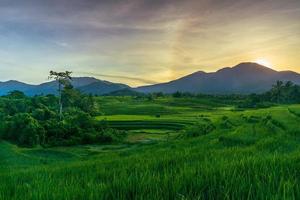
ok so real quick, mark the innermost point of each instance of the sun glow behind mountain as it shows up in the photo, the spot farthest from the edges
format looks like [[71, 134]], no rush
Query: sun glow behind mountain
[[264, 62], [133, 40]]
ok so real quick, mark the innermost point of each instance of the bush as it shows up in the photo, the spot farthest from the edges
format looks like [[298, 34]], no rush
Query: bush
[[110, 135], [43, 114], [78, 118], [25, 130], [201, 128], [56, 131]]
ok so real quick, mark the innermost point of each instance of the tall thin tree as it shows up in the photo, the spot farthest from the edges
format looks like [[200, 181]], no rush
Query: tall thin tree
[[63, 79], [277, 90]]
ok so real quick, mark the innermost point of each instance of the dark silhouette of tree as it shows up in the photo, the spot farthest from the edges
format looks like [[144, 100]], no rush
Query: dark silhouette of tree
[[289, 84], [288, 92], [63, 79], [177, 94], [277, 90]]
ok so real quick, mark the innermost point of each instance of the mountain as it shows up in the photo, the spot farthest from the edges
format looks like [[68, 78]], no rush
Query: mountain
[[12, 85], [102, 87], [87, 85], [51, 87], [243, 78], [125, 92]]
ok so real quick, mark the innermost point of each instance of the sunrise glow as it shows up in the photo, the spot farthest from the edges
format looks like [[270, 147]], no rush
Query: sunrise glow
[[264, 62], [141, 42]]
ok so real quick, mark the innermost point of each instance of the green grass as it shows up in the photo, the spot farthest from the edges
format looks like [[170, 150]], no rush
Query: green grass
[[251, 154]]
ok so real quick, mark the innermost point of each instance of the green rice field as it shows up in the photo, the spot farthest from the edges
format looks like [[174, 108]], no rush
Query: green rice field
[[185, 148]]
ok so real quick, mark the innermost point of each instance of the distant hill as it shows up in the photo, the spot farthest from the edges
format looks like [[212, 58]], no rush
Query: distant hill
[[243, 78], [102, 87], [125, 92], [87, 85], [8, 86]]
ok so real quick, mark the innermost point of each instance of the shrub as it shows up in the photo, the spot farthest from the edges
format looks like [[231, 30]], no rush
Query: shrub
[[43, 114], [110, 135], [78, 118], [201, 128], [25, 130]]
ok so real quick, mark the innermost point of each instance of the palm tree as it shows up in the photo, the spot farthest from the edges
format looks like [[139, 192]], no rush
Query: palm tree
[[63, 79], [277, 90], [288, 84], [288, 91]]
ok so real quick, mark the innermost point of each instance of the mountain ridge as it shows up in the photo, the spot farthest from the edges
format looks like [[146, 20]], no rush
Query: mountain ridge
[[244, 78], [50, 87]]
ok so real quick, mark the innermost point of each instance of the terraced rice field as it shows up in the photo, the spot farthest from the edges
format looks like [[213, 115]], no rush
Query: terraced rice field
[[246, 154]]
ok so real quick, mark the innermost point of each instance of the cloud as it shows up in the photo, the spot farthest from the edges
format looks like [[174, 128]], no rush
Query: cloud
[[148, 37], [135, 79]]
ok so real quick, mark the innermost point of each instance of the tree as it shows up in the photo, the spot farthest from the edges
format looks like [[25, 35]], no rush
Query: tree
[[177, 94], [288, 84], [70, 96], [88, 104], [288, 92], [25, 130], [277, 90], [16, 95], [63, 79]]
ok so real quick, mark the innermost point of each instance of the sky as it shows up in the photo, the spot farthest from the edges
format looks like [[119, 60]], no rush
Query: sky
[[140, 42]]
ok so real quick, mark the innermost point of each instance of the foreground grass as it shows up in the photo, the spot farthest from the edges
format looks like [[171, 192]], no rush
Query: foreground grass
[[181, 170], [251, 154]]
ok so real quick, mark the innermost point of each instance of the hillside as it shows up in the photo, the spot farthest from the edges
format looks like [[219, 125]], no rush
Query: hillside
[[87, 85], [12, 85], [242, 78], [125, 92], [102, 87]]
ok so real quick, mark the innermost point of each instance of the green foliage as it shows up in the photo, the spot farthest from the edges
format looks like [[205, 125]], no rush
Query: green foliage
[[74, 98], [16, 95], [202, 127], [25, 130], [177, 94], [31, 121], [226, 123], [281, 93]]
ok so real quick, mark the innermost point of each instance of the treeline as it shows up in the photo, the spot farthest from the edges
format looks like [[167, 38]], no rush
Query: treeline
[[222, 98], [280, 93], [31, 121]]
